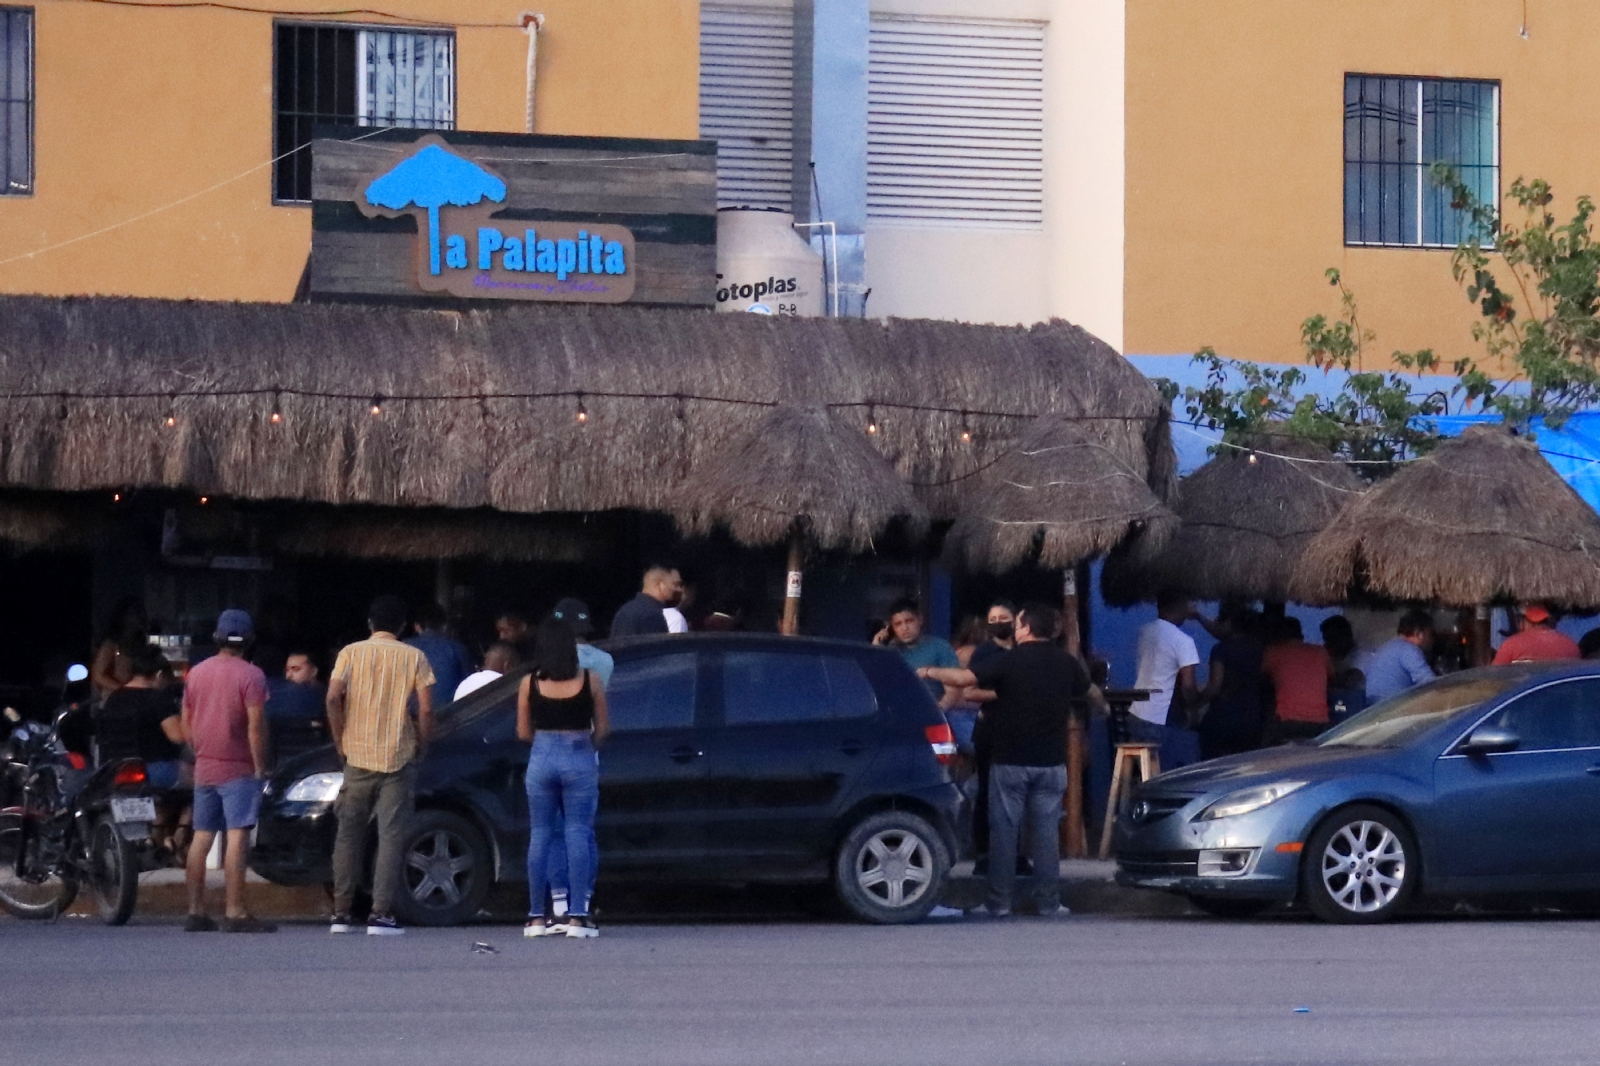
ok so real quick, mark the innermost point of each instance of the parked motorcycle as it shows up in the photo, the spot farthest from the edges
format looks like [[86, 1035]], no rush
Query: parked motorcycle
[[66, 825]]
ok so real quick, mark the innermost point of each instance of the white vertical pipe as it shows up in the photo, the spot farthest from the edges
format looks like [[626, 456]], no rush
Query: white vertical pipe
[[531, 25]]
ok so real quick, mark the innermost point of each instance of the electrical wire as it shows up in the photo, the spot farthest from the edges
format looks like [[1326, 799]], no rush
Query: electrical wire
[[168, 206], [246, 9]]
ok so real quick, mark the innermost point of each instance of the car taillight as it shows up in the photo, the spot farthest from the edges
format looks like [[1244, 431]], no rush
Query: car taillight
[[129, 774], [943, 741]]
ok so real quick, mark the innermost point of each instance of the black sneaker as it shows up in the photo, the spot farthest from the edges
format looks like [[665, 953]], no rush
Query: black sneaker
[[384, 925], [581, 927], [199, 923]]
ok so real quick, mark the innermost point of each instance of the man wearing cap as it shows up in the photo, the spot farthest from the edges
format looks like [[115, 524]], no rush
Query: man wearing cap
[[1537, 640], [224, 720]]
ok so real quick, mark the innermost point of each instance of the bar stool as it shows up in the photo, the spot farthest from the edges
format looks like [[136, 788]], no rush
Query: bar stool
[[1147, 758]]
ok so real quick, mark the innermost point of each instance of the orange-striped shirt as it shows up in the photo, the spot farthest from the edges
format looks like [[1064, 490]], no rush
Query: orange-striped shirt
[[380, 675]]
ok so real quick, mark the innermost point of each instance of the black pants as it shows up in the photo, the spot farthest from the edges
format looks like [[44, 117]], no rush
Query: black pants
[[982, 760]]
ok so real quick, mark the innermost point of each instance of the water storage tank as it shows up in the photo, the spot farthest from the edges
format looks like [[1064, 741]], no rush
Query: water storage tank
[[763, 265]]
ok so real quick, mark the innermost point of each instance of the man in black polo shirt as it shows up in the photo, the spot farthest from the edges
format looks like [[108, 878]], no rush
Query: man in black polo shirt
[[1034, 686]]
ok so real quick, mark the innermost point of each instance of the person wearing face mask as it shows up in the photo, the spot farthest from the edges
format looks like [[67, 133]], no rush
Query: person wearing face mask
[[1002, 622]]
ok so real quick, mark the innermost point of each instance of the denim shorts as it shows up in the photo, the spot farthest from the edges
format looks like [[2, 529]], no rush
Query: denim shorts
[[233, 805]]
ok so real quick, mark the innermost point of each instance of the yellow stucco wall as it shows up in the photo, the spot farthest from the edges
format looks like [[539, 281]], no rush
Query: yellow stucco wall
[[136, 109], [1235, 158]]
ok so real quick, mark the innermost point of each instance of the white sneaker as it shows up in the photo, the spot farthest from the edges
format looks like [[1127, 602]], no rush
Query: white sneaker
[[581, 928], [543, 927]]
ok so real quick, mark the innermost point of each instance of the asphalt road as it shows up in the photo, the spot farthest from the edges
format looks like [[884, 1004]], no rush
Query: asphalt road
[[1080, 990]]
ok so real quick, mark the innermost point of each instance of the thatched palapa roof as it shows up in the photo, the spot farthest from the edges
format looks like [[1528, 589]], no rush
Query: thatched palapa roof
[[420, 535], [1482, 517], [1062, 496], [809, 466], [437, 444], [1247, 517]]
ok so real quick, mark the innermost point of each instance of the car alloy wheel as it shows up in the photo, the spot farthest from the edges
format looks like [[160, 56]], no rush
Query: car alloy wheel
[[895, 867], [1357, 866], [445, 870], [891, 867]]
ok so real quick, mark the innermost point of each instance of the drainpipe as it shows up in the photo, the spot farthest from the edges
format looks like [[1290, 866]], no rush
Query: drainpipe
[[531, 25]]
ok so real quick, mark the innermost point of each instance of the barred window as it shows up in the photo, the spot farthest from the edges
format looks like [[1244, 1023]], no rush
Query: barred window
[[1395, 129], [341, 75], [16, 101]]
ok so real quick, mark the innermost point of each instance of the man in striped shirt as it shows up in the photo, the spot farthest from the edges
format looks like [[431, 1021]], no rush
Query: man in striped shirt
[[369, 700]]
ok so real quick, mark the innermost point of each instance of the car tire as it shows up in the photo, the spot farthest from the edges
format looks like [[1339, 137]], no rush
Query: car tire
[[1359, 866], [445, 870], [891, 868], [1233, 909]]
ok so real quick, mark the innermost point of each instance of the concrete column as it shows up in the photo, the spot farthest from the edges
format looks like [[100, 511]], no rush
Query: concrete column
[[830, 134]]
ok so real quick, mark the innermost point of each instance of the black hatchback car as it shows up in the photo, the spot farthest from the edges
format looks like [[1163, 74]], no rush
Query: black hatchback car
[[732, 758]]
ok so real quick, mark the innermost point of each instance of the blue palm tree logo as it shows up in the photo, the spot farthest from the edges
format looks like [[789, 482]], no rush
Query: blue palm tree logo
[[431, 179]]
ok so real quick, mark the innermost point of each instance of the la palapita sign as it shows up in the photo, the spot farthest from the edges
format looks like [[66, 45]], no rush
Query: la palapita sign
[[458, 216], [463, 250]]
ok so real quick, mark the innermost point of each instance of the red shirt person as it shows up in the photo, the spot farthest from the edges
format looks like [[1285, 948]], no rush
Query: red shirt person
[[1299, 673], [1537, 640]]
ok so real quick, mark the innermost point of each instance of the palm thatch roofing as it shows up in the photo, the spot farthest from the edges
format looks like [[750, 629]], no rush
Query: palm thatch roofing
[[1062, 496], [417, 535], [808, 466], [1483, 517], [664, 392], [1247, 517]]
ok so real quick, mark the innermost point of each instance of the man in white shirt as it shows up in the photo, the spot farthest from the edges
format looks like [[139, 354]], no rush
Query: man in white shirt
[[1167, 658], [500, 658]]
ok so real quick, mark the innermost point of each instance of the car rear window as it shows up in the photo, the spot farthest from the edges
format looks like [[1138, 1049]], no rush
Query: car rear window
[[765, 687], [654, 692]]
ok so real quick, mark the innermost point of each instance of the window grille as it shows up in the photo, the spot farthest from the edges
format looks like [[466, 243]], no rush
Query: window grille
[[342, 75], [955, 122], [1395, 130], [16, 101]]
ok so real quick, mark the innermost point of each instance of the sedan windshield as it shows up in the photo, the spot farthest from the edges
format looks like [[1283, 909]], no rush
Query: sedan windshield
[[1401, 719]]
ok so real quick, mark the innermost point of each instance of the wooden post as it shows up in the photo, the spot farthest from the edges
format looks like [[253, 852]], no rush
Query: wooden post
[[790, 625], [1073, 842], [1482, 651]]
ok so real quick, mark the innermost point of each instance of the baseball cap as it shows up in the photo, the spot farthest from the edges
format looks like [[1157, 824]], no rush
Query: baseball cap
[[234, 627], [1536, 613], [575, 613]]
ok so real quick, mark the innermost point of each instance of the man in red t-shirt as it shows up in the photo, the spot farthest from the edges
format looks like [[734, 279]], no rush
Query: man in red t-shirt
[[224, 720], [1537, 640], [1300, 673]]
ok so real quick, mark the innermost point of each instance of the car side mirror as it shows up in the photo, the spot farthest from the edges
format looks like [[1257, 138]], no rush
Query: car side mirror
[[1489, 740]]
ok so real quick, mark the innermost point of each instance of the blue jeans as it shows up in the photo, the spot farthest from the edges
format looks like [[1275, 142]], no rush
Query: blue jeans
[[563, 785], [559, 881], [1025, 797]]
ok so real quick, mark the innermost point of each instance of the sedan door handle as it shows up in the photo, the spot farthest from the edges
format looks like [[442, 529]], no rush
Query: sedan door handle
[[686, 754], [852, 747]]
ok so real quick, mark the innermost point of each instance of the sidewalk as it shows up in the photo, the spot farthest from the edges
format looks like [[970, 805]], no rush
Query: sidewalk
[[1087, 886]]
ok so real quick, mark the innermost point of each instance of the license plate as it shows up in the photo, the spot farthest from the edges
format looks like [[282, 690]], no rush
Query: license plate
[[134, 809]]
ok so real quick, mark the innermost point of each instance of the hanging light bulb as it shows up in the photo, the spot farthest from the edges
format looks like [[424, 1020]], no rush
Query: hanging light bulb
[[61, 410], [1253, 459], [966, 430], [116, 497], [377, 404], [680, 411], [204, 500], [872, 420], [172, 412], [583, 412], [277, 409]]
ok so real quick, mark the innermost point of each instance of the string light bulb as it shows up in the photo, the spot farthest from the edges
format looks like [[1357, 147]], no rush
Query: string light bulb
[[61, 409], [172, 412], [1253, 460], [872, 420], [116, 497], [583, 412], [377, 404], [204, 500], [966, 430], [277, 409]]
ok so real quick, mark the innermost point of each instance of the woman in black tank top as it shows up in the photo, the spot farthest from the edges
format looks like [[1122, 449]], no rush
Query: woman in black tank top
[[562, 710]]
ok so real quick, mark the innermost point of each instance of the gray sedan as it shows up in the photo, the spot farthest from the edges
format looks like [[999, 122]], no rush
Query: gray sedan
[[1483, 782]]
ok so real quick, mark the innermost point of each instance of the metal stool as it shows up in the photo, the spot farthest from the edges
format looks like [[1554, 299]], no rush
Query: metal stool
[[1148, 760]]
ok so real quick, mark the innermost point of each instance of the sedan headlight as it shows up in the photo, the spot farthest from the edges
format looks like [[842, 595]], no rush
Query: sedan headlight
[[318, 788], [1248, 799]]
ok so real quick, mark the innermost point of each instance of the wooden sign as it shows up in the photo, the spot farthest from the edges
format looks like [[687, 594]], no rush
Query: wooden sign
[[467, 216]]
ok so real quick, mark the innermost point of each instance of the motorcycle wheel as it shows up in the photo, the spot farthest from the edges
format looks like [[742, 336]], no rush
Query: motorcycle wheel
[[113, 873], [31, 894]]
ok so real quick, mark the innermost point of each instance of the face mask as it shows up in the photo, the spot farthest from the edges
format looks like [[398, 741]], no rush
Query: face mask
[[1002, 630]]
